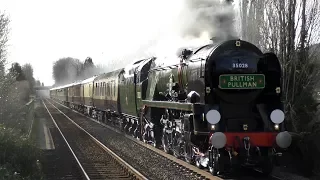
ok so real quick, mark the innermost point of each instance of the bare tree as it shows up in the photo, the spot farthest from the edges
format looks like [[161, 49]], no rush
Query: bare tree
[[4, 31], [288, 28], [13, 94], [68, 70]]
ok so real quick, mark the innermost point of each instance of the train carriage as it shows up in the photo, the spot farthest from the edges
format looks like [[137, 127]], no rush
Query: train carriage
[[74, 94], [61, 93], [86, 93], [105, 93], [53, 93], [77, 94]]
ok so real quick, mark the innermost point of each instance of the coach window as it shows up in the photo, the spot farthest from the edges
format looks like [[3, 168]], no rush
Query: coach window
[[101, 86], [107, 88], [114, 89], [95, 92], [111, 88], [104, 89], [97, 89]]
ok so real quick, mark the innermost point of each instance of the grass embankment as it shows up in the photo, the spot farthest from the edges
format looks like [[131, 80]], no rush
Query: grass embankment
[[19, 154]]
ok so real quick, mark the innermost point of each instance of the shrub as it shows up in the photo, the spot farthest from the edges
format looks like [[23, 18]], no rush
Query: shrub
[[18, 156]]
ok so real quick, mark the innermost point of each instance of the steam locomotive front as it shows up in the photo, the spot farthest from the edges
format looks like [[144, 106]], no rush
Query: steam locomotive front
[[244, 97]]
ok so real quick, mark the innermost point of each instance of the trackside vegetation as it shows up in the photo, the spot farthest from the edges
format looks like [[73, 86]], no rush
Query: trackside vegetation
[[18, 152]]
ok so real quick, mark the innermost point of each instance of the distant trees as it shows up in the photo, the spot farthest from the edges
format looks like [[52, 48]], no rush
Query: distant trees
[[27, 70], [38, 83], [16, 70], [67, 70]]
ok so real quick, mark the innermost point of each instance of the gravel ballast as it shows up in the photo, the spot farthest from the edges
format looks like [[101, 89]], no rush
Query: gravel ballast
[[146, 161]]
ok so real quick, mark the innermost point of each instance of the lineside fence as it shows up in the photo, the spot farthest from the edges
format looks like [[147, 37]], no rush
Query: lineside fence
[[29, 116]]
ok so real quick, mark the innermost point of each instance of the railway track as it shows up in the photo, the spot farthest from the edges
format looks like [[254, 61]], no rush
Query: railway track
[[56, 163], [184, 166], [95, 160]]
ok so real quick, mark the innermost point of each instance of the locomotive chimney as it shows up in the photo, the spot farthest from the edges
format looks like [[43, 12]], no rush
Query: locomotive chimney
[[216, 39], [213, 39], [219, 39]]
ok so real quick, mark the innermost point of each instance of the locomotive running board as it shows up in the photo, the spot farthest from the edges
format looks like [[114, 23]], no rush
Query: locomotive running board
[[169, 105]]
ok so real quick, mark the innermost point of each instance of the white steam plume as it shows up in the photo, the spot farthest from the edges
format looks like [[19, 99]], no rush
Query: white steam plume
[[196, 23], [206, 19]]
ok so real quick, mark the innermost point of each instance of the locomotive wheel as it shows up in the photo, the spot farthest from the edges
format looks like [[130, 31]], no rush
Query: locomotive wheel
[[198, 164], [188, 153], [215, 167], [177, 149], [176, 152], [213, 170], [165, 143], [144, 139], [153, 142], [135, 133], [122, 124]]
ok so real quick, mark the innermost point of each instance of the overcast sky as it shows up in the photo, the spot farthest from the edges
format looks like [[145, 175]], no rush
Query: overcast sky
[[44, 31], [106, 30]]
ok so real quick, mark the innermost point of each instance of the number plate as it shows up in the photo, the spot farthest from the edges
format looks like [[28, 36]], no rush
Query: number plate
[[242, 81]]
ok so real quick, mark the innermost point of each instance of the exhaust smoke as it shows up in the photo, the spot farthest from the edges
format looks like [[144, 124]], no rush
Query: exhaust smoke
[[197, 23]]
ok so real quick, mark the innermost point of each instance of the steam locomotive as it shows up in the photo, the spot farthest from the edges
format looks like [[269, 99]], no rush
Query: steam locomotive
[[217, 106]]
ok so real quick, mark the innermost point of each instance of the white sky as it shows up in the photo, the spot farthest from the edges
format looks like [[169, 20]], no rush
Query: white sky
[[44, 31]]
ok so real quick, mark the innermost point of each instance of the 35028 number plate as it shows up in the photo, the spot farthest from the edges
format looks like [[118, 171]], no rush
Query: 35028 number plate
[[241, 81]]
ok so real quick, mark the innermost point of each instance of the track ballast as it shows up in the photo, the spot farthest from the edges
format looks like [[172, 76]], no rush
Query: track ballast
[[95, 160]]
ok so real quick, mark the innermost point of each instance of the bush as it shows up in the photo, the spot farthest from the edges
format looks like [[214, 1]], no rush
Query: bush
[[18, 156]]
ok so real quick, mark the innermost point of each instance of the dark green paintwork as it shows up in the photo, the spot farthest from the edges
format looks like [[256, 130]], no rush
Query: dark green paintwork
[[127, 94], [169, 105]]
